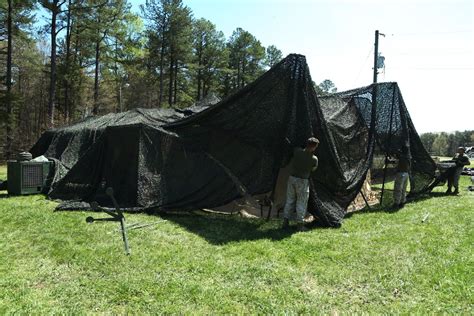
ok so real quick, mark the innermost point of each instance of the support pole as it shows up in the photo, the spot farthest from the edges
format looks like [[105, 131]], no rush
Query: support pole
[[374, 95], [116, 216], [110, 192], [383, 181], [124, 235], [365, 200]]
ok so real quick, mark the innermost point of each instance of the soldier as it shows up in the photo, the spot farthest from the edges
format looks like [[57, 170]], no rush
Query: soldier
[[302, 164], [460, 160], [401, 179]]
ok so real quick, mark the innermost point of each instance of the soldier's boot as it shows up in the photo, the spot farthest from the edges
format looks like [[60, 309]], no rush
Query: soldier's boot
[[302, 228]]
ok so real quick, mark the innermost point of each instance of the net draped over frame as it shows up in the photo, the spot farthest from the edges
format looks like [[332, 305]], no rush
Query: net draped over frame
[[158, 158]]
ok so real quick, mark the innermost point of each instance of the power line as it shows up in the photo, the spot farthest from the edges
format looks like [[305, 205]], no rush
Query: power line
[[363, 66], [432, 52], [431, 33], [435, 68]]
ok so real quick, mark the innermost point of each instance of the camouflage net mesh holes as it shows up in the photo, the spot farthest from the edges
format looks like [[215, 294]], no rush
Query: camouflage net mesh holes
[[232, 149]]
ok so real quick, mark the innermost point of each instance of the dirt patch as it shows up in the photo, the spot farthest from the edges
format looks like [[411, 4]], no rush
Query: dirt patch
[[259, 205]]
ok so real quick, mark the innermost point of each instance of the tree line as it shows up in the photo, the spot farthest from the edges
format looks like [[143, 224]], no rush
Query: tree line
[[63, 60], [446, 144], [98, 56]]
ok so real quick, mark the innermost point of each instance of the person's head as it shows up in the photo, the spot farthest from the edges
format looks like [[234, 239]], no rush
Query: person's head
[[312, 143], [461, 150]]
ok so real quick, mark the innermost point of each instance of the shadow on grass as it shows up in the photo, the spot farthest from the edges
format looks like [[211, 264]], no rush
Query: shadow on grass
[[386, 207], [5, 195], [223, 229]]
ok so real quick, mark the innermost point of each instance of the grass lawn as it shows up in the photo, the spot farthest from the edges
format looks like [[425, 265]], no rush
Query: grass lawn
[[378, 262]]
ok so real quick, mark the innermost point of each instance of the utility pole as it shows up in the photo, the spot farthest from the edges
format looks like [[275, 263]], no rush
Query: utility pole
[[374, 93], [376, 54]]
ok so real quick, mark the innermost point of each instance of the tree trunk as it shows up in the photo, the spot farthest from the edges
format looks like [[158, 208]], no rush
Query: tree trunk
[[9, 140], [67, 109], [95, 109], [199, 85], [175, 82], [162, 62], [35, 117], [52, 83], [78, 102], [40, 110], [162, 57], [75, 88], [199, 74], [170, 87], [242, 74], [238, 76], [118, 80]]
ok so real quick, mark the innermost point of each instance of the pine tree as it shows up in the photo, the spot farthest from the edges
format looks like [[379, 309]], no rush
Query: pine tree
[[105, 18], [209, 56], [246, 57], [17, 17], [273, 56], [54, 8], [170, 29]]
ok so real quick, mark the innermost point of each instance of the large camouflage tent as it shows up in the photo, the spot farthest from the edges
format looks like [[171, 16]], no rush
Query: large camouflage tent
[[154, 160]]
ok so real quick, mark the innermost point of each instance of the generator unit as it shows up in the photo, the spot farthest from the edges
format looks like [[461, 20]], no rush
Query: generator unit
[[27, 177]]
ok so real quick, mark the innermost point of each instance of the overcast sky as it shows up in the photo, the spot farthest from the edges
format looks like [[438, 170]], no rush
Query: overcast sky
[[428, 46]]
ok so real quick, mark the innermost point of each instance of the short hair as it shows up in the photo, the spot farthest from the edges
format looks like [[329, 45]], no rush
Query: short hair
[[312, 141]]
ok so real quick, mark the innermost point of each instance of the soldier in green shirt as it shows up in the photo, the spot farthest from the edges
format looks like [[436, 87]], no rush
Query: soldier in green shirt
[[297, 193], [461, 160]]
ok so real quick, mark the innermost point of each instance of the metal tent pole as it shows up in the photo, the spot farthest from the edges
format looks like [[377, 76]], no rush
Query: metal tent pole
[[365, 200]]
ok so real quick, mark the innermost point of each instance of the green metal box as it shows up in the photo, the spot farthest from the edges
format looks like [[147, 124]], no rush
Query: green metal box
[[27, 177]]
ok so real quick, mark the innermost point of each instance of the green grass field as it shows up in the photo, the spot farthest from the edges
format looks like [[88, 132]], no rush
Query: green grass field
[[378, 262]]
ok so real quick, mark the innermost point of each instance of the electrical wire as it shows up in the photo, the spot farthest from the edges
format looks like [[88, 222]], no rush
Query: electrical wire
[[363, 66], [429, 33]]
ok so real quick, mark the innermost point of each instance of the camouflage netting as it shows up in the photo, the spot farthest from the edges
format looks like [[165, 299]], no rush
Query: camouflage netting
[[236, 147], [392, 129]]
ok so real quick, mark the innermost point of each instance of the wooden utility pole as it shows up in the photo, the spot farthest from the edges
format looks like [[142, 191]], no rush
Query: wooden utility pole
[[376, 54], [374, 98]]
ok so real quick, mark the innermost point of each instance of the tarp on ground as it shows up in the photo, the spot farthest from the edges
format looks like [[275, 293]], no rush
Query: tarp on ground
[[237, 147]]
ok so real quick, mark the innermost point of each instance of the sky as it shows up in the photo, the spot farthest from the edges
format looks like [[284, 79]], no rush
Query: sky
[[428, 46]]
